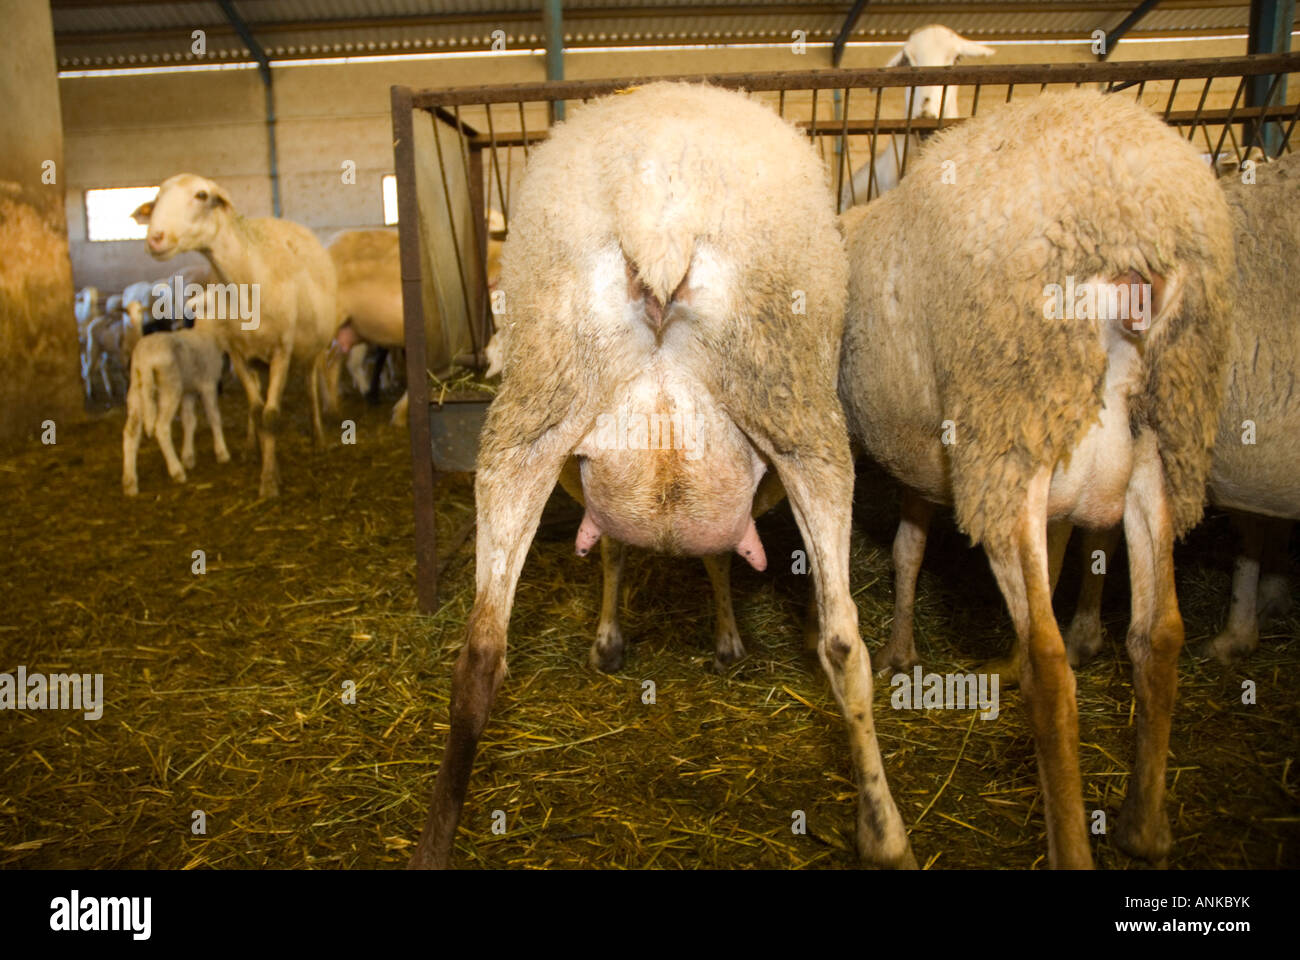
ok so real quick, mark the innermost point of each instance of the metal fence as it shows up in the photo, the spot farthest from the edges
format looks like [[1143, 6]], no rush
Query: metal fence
[[460, 152]]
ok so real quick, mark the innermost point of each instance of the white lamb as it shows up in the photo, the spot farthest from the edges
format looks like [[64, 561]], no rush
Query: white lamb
[[169, 370]]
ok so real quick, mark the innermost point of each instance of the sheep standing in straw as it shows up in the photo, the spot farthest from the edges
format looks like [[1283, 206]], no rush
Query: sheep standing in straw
[[1037, 336], [168, 371], [280, 294], [1256, 458], [673, 252]]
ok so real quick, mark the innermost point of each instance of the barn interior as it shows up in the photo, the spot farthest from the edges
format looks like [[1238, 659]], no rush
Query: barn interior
[[276, 672]]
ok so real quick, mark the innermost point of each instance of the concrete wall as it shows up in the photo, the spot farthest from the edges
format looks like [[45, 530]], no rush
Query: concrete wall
[[38, 341], [138, 130]]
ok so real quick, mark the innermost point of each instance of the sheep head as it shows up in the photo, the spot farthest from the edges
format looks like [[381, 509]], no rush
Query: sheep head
[[187, 214], [935, 46]]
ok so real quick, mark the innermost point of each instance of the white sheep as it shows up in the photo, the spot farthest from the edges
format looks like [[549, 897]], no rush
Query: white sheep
[[86, 308], [1256, 459], [369, 268], [110, 338], [168, 371], [648, 271], [932, 46], [280, 290], [1038, 343]]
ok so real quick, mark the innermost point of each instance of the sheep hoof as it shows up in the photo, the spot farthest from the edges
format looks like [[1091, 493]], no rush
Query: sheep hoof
[[269, 488], [728, 651], [1083, 640], [895, 657], [223, 456], [1231, 645], [1008, 669], [607, 652], [903, 859], [188, 461], [178, 476], [1148, 839], [131, 489]]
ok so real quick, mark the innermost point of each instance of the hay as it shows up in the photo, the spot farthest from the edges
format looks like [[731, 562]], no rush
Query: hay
[[223, 691]]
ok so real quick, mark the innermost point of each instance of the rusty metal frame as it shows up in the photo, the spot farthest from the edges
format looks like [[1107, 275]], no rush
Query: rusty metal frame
[[445, 104]]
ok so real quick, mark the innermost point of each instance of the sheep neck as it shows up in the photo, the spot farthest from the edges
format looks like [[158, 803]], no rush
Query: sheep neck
[[230, 252]]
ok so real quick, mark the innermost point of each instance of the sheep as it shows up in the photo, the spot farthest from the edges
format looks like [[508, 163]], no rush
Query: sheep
[[965, 379], [86, 308], [278, 269], [168, 370], [369, 268], [110, 338], [1253, 473], [931, 46], [648, 270]]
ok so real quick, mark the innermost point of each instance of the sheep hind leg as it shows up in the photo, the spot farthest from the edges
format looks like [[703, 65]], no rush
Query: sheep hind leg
[[821, 495], [899, 653], [252, 390], [608, 650], [1083, 638], [212, 410], [314, 380], [727, 646], [510, 491], [1241, 634], [269, 485], [1021, 565], [1155, 637], [131, 447], [1008, 667], [189, 420], [169, 400]]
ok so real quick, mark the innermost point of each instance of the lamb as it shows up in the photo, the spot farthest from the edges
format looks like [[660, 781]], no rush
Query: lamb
[[648, 271], [369, 268], [932, 46], [110, 338], [168, 370], [964, 377], [86, 308], [275, 267], [1253, 473]]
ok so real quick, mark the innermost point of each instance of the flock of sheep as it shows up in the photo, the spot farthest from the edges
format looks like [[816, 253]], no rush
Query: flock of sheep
[[675, 250], [272, 293], [692, 266]]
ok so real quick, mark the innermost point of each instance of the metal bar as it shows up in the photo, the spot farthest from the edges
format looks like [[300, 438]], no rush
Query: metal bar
[[496, 167], [478, 227], [957, 75], [812, 127], [263, 68], [1257, 138], [875, 134], [523, 126], [451, 223], [417, 369], [1271, 23], [975, 104], [846, 29], [1173, 92], [1236, 97], [1113, 37], [553, 28], [843, 155], [1205, 92]]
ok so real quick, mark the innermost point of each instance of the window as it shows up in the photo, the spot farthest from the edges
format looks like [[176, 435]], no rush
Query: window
[[390, 200], [108, 213]]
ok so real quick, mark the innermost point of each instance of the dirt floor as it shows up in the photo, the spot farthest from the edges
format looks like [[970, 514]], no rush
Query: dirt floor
[[224, 691]]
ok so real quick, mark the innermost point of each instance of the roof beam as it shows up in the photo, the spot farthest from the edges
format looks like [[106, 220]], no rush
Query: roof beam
[[264, 68], [842, 38], [1128, 23]]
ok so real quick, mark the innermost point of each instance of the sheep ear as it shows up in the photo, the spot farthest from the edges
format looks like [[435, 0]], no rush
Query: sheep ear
[[217, 197], [143, 213], [898, 58], [969, 48]]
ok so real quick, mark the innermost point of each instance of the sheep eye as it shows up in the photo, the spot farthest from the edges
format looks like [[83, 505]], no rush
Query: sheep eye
[[201, 195]]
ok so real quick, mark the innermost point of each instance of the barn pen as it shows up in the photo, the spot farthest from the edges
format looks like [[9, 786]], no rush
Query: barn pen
[[276, 674]]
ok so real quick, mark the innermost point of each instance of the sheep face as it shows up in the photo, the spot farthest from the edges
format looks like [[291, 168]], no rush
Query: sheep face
[[935, 46], [186, 215]]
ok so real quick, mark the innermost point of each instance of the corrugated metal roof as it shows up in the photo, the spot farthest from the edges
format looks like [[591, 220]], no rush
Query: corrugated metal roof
[[91, 33]]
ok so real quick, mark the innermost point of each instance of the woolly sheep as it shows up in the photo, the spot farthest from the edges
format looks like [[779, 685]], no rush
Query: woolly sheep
[[932, 46], [973, 390], [648, 269], [281, 269], [1256, 460], [168, 370]]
